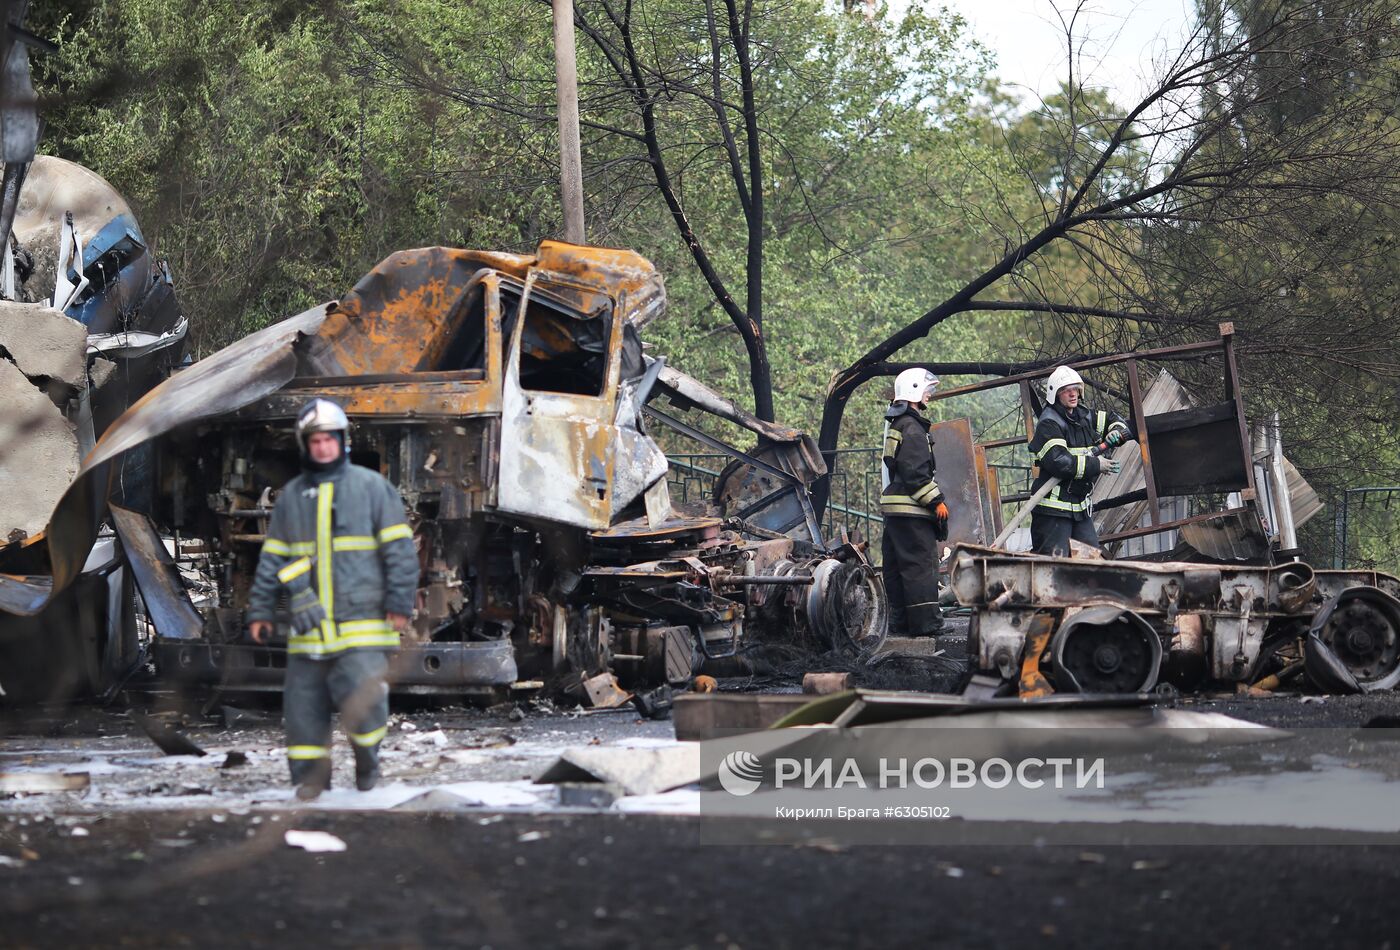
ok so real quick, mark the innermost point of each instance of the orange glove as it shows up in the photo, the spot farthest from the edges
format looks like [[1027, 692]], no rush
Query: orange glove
[[940, 521]]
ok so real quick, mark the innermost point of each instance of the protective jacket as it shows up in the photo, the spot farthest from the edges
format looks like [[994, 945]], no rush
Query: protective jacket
[[345, 527], [1062, 448], [911, 490]]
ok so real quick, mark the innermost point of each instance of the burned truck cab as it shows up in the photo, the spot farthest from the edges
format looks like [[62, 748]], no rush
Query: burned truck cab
[[504, 396]]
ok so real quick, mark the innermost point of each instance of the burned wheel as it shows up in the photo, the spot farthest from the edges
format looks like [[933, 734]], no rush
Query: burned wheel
[[1361, 628], [1106, 650], [847, 607]]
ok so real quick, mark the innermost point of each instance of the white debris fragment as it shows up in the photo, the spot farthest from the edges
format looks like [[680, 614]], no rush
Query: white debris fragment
[[316, 842], [532, 836], [79, 832]]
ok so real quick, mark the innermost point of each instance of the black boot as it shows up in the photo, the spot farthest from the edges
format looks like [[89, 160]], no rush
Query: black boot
[[312, 778], [366, 768]]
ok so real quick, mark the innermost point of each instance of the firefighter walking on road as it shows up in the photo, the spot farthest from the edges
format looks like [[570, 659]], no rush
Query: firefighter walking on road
[[340, 549], [913, 508], [1068, 437]]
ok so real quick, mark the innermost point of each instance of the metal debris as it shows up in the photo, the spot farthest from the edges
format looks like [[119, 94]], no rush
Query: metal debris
[[166, 739]]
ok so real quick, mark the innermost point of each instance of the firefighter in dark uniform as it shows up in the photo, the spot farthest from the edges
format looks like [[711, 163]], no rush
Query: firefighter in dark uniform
[[1067, 437], [339, 547], [913, 508]]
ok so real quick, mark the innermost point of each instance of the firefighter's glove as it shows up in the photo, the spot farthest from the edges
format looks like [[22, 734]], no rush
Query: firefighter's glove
[[307, 612], [940, 519], [1108, 466], [1116, 436]]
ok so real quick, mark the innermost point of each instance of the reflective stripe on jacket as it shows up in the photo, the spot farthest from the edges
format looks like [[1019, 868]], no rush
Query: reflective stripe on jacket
[[347, 530], [911, 489]]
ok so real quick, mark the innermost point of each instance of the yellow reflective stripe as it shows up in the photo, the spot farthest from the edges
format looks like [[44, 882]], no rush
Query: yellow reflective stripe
[[1050, 444], [294, 570], [1054, 502], [301, 752], [396, 532], [273, 546], [908, 510], [383, 641], [305, 645], [1101, 422], [303, 547], [1082, 450], [313, 646], [346, 635], [926, 494], [366, 739], [890, 497], [354, 542], [1080, 460], [325, 511], [363, 626]]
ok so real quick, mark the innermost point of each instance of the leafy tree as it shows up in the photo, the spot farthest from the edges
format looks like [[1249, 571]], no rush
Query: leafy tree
[[1197, 204]]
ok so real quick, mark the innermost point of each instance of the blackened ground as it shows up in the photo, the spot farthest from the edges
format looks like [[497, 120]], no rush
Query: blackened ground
[[610, 880]]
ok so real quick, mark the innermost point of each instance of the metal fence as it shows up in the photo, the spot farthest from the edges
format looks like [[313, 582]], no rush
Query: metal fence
[[855, 488], [1366, 529]]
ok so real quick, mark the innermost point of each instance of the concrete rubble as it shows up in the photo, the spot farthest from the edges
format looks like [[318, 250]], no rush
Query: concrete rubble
[[41, 453]]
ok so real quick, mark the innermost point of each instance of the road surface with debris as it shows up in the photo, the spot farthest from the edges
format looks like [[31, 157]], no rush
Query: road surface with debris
[[460, 846]]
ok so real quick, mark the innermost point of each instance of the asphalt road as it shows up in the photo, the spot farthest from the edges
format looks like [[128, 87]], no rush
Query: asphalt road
[[176, 880], [88, 875]]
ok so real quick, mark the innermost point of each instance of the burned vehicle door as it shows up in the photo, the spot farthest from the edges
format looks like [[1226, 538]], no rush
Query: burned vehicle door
[[563, 427]]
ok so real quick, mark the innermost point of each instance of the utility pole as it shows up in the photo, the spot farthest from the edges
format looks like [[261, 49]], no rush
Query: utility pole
[[566, 90]]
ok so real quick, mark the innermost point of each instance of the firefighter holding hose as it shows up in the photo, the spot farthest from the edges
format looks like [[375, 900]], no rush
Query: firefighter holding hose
[[1068, 440]]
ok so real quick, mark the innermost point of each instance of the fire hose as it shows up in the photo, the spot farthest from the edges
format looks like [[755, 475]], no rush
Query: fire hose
[[1037, 498]]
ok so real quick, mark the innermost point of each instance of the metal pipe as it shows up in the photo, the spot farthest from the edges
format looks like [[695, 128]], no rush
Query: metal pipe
[[1031, 502], [747, 580]]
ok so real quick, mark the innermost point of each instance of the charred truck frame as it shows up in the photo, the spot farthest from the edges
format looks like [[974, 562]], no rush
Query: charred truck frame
[[506, 397], [1229, 603]]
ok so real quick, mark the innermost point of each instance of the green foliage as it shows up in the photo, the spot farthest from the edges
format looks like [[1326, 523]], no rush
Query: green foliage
[[275, 152]]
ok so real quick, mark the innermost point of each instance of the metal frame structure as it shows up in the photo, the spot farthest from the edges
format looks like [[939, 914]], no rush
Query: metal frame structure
[[1223, 347]]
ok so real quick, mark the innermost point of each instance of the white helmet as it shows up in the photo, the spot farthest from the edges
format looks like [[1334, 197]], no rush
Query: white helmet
[[322, 415], [1062, 376], [914, 385]]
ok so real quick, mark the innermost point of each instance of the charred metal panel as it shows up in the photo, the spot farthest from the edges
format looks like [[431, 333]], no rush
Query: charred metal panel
[[1198, 450], [166, 600], [962, 476]]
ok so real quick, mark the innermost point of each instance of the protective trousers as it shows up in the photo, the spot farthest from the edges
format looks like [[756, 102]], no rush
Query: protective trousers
[[909, 550], [352, 682], [1051, 534]]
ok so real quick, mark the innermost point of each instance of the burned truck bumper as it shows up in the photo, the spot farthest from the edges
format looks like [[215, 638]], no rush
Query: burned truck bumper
[[457, 669]]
